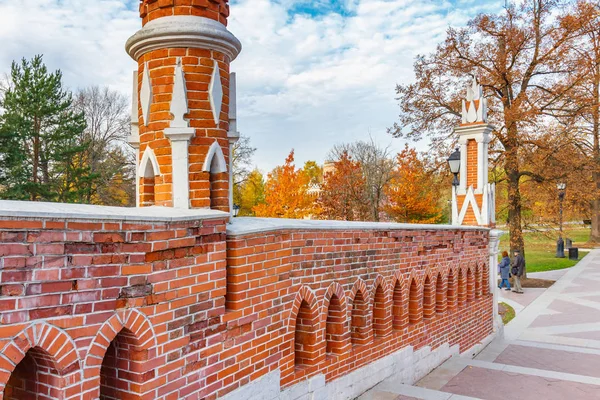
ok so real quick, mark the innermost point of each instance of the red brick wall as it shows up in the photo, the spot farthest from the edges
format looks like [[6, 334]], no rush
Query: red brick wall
[[136, 306], [138, 310], [273, 278], [213, 9]]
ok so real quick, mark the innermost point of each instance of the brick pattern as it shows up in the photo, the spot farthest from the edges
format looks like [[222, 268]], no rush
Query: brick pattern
[[110, 309], [206, 190], [117, 310], [377, 283], [213, 9]]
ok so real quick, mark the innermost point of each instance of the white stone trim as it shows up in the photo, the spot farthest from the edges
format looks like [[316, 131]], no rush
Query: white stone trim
[[179, 138], [233, 134], [215, 151], [183, 31], [85, 212], [179, 100], [470, 201], [146, 95], [149, 160], [215, 94], [245, 226]]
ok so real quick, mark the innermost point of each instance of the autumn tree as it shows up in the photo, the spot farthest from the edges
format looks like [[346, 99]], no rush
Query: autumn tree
[[343, 192], [251, 193], [585, 100], [286, 193], [519, 57], [376, 165], [411, 195]]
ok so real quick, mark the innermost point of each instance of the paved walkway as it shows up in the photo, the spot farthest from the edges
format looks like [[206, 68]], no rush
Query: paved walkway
[[550, 351]]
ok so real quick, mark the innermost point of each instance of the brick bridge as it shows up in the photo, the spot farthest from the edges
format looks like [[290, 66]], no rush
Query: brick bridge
[[153, 303]]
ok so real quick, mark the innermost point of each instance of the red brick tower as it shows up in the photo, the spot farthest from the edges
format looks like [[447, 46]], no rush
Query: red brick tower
[[473, 201], [182, 97]]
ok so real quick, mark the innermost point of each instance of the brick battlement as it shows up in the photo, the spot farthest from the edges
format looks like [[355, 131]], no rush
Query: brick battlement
[[217, 10], [157, 304]]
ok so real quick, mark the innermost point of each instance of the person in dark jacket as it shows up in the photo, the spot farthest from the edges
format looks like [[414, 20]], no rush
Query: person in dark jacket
[[517, 270], [504, 270]]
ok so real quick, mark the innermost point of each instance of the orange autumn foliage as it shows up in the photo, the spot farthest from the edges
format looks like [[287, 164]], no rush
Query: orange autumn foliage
[[286, 193], [343, 192], [412, 198]]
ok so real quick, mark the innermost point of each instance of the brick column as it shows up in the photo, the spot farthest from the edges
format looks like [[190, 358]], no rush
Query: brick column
[[183, 52]]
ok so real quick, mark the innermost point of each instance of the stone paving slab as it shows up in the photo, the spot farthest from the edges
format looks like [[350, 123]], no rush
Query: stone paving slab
[[501, 385], [552, 360]]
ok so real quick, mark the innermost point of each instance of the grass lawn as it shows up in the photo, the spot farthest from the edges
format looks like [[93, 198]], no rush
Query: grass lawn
[[540, 249]]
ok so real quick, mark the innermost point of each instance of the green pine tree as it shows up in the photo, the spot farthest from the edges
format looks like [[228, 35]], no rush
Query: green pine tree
[[40, 138]]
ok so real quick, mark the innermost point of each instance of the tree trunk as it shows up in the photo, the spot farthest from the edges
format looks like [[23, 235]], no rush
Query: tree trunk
[[514, 200], [595, 206]]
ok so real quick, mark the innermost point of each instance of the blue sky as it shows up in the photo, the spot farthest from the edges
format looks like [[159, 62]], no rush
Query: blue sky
[[311, 74]]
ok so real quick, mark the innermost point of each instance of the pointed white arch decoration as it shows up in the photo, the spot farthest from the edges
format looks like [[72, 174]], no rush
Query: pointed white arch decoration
[[219, 163], [149, 167]]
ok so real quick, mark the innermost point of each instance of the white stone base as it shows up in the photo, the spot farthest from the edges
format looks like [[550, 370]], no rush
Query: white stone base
[[404, 366]]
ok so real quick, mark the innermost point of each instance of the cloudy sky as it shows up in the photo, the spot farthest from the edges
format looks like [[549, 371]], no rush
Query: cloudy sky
[[312, 73]]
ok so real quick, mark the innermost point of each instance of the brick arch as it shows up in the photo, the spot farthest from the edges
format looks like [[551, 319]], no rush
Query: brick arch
[[415, 298], [132, 321], [57, 351], [399, 301], [429, 293], [304, 328], [478, 282], [381, 312], [335, 320], [471, 283], [452, 288], [485, 278], [461, 298], [360, 328], [441, 291]]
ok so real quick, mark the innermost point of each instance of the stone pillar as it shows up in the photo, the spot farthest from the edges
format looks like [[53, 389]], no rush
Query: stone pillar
[[184, 51], [494, 246], [134, 138]]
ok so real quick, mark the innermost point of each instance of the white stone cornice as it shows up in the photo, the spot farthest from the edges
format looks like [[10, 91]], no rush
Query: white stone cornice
[[183, 31]]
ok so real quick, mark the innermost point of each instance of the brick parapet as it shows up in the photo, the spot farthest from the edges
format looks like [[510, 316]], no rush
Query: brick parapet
[[151, 296]]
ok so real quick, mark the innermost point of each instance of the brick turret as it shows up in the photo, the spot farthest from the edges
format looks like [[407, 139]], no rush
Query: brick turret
[[473, 201], [182, 133]]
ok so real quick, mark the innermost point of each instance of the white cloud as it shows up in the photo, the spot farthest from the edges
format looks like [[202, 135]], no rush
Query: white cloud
[[305, 82]]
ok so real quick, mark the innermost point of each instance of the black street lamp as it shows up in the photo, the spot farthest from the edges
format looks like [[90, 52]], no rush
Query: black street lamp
[[560, 244], [454, 163], [236, 210]]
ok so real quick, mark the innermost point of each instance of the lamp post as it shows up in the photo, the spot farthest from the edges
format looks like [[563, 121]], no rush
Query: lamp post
[[560, 244], [454, 164], [236, 210]]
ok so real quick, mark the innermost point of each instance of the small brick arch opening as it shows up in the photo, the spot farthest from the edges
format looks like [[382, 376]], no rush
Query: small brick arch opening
[[440, 298], [35, 377], [428, 299], [379, 313], [478, 283], [470, 286], [415, 314], [305, 337], [399, 321], [451, 291], [335, 326], [462, 288], [360, 328], [123, 370]]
